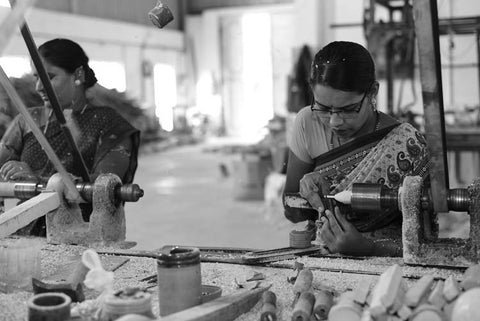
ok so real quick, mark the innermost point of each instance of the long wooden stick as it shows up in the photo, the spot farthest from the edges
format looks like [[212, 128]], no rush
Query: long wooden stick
[[72, 192], [225, 308], [21, 215], [12, 21]]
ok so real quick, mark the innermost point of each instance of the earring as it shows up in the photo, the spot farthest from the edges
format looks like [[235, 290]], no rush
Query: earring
[[78, 82], [373, 101]]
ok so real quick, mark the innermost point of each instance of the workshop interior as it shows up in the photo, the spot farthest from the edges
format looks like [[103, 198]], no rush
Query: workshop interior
[[212, 91]]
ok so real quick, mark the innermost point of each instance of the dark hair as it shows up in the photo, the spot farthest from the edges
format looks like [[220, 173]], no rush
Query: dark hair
[[343, 65], [67, 55]]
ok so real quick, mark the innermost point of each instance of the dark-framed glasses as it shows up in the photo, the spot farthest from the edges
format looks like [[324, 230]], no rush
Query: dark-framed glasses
[[345, 112]]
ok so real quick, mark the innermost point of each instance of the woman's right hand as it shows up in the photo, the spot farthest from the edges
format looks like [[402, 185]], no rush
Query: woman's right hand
[[310, 190], [15, 170]]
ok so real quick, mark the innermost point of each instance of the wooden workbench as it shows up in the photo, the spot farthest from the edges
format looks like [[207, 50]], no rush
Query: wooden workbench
[[337, 274]]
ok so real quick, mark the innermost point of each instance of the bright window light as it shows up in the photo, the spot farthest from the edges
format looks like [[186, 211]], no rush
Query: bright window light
[[4, 3], [257, 73], [110, 74], [165, 83], [15, 66]]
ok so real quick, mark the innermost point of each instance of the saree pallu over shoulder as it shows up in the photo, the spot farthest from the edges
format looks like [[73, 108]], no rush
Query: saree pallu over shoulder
[[96, 129], [383, 157]]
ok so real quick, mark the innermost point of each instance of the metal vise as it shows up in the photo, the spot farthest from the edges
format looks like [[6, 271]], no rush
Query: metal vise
[[64, 220]]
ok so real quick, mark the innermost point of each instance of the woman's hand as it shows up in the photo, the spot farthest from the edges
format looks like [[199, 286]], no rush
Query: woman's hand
[[340, 236], [309, 189], [15, 171]]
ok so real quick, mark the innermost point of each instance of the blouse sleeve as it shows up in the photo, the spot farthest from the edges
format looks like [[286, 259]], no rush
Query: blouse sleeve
[[11, 143], [298, 141]]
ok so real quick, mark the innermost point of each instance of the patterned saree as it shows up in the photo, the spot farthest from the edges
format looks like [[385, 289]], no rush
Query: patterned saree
[[383, 157]]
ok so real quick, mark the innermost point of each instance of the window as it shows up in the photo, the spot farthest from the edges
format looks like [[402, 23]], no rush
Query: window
[[110, 74], [15, 66], [165, 84]]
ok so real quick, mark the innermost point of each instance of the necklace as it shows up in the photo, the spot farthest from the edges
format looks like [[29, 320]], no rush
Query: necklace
[[377, 127], [47, 122]]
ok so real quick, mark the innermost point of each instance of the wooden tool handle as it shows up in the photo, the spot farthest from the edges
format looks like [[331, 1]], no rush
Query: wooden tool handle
[[269, 308], [304, 307], [303, 281], [323, 303]]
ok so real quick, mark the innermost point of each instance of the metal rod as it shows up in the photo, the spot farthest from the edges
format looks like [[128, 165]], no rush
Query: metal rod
[[477, 38], [426, 29], [26, 190], [52, 97], [22, 109]]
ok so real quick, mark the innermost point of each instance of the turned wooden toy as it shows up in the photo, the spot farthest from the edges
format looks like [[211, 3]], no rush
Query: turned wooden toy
[[346, 309], [269, 307], [451, 289], [427, 312], [471, 278], [388, 293], [302, 284], [436, 296], [304, 307], [418, 292], [323, 304], [361, 292], [404, 312]]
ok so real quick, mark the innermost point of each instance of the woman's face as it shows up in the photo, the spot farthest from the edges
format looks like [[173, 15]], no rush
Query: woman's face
[[62, 82], [344, 112]]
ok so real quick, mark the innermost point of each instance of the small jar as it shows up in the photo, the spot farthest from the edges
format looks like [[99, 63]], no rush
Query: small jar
[[127, 301], [179, 279]]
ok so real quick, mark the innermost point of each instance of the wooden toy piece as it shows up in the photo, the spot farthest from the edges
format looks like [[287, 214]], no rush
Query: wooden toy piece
[[366, 315], [448, 309], [451, 289], [471, 278], [269, 307], [427, 312], [387, 292], [302, 283], [361, 292], [304, 307], [418, 292], [346, 309], [323, 304], [404, 312], [436, 296], [398, 299], [467, 306]]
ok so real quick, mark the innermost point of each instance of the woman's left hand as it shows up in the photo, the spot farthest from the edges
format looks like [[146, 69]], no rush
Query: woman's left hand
[[340, 236], [15, 170]]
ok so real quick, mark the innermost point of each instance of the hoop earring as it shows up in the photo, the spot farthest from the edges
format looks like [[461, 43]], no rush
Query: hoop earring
[[78, 82]]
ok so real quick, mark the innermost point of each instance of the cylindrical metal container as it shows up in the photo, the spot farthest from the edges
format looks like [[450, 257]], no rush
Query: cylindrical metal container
[[179, 279]]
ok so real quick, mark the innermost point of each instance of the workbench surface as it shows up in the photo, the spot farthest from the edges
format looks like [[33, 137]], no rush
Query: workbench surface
[[336, 274]]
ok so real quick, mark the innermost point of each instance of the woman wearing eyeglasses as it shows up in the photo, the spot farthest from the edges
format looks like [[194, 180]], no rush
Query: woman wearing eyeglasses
[[343, 139]]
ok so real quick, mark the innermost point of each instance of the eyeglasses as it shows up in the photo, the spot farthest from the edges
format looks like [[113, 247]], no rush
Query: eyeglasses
[[346, 112]]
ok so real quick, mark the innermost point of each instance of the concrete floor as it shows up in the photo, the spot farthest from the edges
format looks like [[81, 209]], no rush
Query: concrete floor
[[188, 202]]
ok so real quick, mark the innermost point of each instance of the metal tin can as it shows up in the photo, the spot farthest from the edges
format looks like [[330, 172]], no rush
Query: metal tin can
[[179, 279]]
